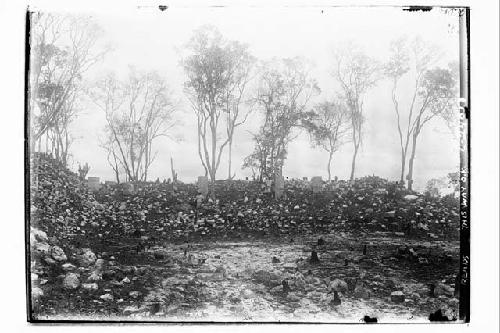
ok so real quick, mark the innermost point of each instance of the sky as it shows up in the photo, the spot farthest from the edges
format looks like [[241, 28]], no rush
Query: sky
[[153, 40]]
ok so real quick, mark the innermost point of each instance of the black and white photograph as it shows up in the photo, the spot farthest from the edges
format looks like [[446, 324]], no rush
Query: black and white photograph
[[287, 164], [237, 165]]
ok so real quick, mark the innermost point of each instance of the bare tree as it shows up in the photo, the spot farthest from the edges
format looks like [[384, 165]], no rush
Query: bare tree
[[137, 112], [217, 74], [439, 98], [112, 149], [414, 60], [407, 59], [63, 137], [58, 138], [285, 89], [328, 125], [108, 94], [63, 48], [234, 100], [356, 72]]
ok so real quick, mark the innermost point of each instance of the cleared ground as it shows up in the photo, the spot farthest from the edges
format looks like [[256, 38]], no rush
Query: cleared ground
[[240, 281]]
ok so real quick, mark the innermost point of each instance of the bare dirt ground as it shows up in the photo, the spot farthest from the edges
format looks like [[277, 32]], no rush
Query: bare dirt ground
[[240, 281]]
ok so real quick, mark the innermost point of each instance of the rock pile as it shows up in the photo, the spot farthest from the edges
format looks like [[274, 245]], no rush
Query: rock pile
[[64, 207]]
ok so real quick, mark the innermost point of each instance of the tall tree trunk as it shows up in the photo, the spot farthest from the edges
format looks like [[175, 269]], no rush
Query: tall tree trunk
[[229, 176], [412, 160], [146, 157], [117, 175], [404, 154], [54, 151], [212, 171], [213, 130], [329, 165], [66, 147], [403, 150], [199, 147], [403, 166], [132, 156], [353, 163], [355, 141]]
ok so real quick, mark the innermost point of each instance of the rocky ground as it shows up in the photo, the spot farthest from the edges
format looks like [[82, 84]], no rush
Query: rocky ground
[[240, 281], [153, 255]]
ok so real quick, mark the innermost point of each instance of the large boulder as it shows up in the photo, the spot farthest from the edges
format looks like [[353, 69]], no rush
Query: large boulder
[[290, 266], [247, 293], [442, 289], [36, 293], [37, 235], [49, 261], [41, 248], [267, 278], [299, 280], [339, 286], [90, 286], [58, 254], [107, 297], [172, 281], [390, 214], [293, 297], [132, 309], [71, 281], [361, 292], [96, 275], [397, 296], [67, 267], [111, 274], [100, 264], [276, 290], [87, 258]]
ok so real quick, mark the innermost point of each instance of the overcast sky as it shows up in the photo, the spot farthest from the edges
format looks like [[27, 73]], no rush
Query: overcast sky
[[154, 40]]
